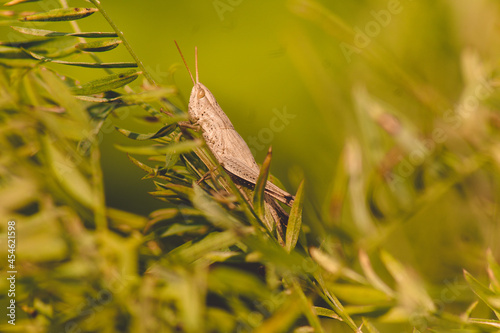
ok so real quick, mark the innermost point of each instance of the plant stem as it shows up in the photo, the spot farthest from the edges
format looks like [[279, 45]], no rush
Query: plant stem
[[127, 88], [97, 176], [76, 28], [120, 34]]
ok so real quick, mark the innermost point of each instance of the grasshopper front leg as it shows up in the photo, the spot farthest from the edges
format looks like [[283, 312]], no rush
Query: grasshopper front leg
[[187, 124]]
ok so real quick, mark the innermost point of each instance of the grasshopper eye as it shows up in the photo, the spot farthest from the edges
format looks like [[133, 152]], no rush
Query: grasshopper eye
[[201, 94]]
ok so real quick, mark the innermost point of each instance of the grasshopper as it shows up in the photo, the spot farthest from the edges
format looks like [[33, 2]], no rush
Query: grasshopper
[[229, 148]]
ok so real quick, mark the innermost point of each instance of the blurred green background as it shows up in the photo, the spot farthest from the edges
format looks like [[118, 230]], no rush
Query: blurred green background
[[245, 60], [258, 58], [348, 94], [287, 55]]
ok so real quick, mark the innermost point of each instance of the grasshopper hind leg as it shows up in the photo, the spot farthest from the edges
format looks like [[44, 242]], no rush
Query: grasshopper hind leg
[[249, 176]]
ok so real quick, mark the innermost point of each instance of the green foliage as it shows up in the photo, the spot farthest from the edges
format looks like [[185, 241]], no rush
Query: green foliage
[[209, 261], [258, 197]]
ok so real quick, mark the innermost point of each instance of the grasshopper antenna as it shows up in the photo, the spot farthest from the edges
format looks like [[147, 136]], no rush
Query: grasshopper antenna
[[185, 63], [196, 62]]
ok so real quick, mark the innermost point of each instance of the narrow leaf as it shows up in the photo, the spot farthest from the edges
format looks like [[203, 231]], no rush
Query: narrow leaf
[[371, 276], [485, 294], [50, 33], [323, 312], [180, 229], [68, 175], [26, 43], [99, 99], [123, 218], [181, 190], [15, 2], [143, 97], [227, 280], [60, 14], [416, 297], [49, 48], [486, 322], [99, 45], [150, 95], [141, 165], [307, 308], [164, 131], [493, 272], [7, 52], [260, 186], [170, 160], [327, 262], [107, 83], [360, 294], [179, 148], [369, 326], [214, 241], [468, 311], [295, 219], [58, 91], [335, 304], [283, 318], [212, 210], [84, 64]]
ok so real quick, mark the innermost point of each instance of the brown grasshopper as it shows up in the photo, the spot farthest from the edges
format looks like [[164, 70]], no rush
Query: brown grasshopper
[[229, 148]]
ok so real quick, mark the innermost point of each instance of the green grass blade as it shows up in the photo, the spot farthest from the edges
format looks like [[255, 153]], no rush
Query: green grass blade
[[93, 99], [307, 308], [324, 312], [143, 97], [215, 241], [150, 95], [50, 33], [99, 45], [95, 64], [70, 178], [60, 14], [85, 64], [179, 148], [260, 186], [141, 165], [485, 322], [416, 296], [16, 2], [336, 304], [371, 275], [213, 211], [7, 52], [227, 280], [107, 83], [164, 131], [283, 318], [493, 272], [295, 220], [369, 326], [488, 296]]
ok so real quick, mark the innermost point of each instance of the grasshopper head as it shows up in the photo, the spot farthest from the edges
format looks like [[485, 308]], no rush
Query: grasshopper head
[[201, 102]]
